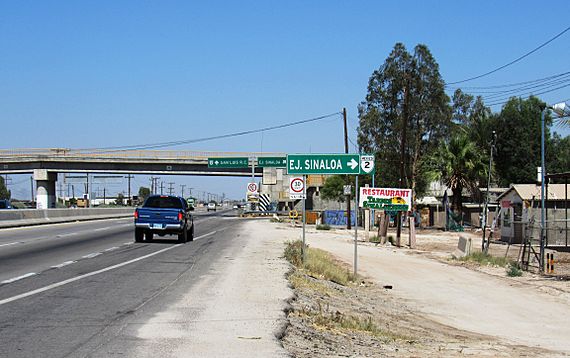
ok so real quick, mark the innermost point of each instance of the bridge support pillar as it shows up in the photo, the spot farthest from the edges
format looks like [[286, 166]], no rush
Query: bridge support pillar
[[45, 192]]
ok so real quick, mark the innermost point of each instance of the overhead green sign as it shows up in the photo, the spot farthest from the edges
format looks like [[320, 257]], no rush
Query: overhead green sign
[[275, 162], [238, 162], [323, 164]]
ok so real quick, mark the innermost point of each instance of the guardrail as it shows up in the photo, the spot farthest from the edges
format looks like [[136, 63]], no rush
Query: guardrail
[[121, 153], [29, 217]]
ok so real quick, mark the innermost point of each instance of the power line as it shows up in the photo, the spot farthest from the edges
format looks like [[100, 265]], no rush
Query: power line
[[510, 84], [198, 140], [525, 90], [512, 62], [526, 97]]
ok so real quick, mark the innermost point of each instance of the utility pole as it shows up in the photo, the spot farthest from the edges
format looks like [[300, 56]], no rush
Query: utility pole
[[161, 187], [171, 188], [485, 244], [348, 217], [32, 188], [129, 177], [182, 186]]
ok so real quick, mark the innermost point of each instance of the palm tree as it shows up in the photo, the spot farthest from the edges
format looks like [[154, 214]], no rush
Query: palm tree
[[460, 164]]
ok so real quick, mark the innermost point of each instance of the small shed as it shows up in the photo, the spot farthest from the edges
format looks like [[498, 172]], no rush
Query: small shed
[[520, 205]]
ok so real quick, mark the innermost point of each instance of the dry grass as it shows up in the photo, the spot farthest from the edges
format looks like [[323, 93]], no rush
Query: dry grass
[[318, 263]]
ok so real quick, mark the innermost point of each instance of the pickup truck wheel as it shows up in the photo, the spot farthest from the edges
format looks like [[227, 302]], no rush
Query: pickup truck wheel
[[148, 236], [183, 236], [139, 235], [191, 233]]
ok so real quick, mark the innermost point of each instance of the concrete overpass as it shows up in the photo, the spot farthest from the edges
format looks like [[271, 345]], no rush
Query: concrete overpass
[[45, 164]]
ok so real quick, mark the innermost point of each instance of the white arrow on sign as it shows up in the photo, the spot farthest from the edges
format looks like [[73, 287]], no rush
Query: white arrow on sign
[[352, 164], [216, 162]]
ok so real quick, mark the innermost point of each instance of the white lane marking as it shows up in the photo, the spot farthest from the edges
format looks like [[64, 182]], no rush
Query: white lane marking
[[11, 243], [66, 235], [111, 248], [91, 255], [19, 277], [102, 229], [205, 235], [128, 243], [64, 264], [65, 282]]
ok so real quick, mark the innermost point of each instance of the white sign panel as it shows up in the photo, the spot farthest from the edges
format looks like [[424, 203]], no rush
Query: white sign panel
[[252, 188], [296, 188], [367, 163], [389, 199]]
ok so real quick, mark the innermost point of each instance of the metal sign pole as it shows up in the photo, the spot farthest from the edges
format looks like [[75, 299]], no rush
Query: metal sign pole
[[252, 205], [304, 251], [356, 228]]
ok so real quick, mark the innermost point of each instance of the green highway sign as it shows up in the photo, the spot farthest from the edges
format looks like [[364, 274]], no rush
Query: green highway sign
[[323, 164], [275, 162], [237, 162]]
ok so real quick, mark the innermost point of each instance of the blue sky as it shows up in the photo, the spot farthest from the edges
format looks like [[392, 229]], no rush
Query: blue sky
[[80, 74]]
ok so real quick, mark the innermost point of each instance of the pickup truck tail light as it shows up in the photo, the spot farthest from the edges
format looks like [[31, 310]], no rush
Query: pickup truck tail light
[[136, 214], [180, 216]]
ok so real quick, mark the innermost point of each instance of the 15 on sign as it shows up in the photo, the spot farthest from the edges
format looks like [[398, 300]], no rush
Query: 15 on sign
[[323, 164]]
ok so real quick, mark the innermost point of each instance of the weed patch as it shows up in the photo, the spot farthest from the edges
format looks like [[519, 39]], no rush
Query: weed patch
[[318, 263], [486, 259]]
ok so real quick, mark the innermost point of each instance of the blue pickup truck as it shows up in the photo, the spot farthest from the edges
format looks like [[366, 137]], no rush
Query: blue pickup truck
[[164, 215]]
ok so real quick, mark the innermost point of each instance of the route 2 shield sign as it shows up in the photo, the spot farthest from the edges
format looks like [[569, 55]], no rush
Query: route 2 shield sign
[[367, 163]]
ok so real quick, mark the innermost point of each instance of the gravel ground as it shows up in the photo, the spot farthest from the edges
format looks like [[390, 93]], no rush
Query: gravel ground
[[420, 318]]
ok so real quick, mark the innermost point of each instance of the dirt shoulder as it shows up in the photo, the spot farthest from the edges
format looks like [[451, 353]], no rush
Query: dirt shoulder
[[432, 308]]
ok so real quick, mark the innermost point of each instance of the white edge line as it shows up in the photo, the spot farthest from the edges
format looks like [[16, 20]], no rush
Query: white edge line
[[65, 282], [205, 235], [19, 277]]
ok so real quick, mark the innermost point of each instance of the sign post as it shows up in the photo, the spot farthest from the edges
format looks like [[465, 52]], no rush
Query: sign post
[[356, 228], [351, 164], [304, 251]]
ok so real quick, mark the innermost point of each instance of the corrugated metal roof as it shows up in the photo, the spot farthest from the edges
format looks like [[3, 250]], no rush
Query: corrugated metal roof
[[528, 191]]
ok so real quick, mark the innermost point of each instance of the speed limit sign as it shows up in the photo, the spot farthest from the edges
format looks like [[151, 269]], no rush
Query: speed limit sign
[[297, 188], [252, 188]]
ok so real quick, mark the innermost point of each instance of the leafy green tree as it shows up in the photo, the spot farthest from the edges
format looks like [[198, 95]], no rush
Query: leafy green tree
[[144, 193], [333, 189], [120, 200], [558, 154], [4, 192], [460, 164], [518, 140], [404, 116]]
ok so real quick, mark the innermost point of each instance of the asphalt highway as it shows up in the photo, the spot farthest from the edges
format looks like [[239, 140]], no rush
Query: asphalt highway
[[68, 289]]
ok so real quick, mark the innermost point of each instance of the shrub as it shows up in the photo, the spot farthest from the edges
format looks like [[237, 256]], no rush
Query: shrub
[[323, 227], [514, 270]]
